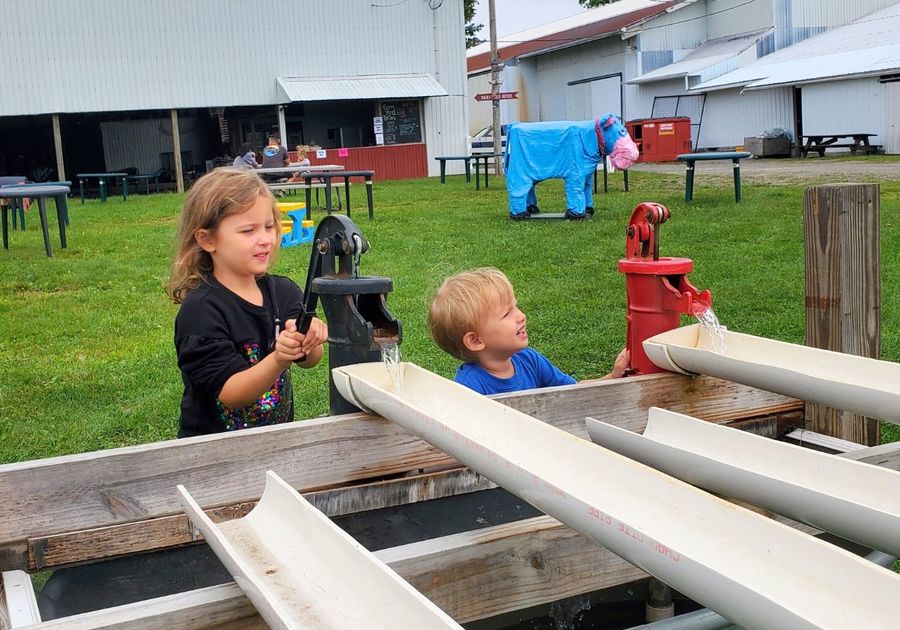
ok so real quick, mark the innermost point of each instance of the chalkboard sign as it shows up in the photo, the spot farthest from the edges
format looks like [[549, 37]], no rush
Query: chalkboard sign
[[401, 122]]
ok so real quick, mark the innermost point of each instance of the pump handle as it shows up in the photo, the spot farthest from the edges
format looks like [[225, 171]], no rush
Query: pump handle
[[642, 235]]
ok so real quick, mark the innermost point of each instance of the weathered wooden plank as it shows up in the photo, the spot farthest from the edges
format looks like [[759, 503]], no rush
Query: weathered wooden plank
[[843, 289], [127, 538], [549, 560], [221, 607], [104, 488], [471, 575], [481, 573]]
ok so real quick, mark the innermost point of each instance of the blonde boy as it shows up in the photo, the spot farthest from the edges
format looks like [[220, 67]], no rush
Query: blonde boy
[[474, 317]]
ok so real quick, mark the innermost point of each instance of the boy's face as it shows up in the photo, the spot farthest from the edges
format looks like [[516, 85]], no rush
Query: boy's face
[[502, 332]]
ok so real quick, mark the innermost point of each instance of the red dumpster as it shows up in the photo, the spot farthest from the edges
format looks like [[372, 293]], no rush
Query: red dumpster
[[660, 139]]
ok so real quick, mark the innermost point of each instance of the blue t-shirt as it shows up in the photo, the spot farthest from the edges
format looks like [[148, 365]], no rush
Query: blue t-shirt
[[533, 370]]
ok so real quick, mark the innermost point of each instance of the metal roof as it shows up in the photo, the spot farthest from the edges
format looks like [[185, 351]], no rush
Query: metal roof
[[593, 24], [865, 47], [710, 59], [359, 87]]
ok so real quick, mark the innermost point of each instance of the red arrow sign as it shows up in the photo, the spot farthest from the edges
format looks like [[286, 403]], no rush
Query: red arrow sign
[[501, 96]]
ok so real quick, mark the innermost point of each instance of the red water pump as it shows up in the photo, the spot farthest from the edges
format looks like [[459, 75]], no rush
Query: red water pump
[[658, 290]]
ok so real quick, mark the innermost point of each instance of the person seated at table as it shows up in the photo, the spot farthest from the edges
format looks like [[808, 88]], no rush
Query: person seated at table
[[246, 157], [302, 160]]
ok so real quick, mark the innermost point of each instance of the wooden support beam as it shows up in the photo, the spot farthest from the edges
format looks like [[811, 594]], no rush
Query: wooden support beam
[[841, 224], [117, 486], [470, 575], [57, 145], [176, 147], [168, 531]]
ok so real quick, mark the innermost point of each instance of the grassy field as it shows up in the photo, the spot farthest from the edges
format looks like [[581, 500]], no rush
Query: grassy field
[[86, 336]]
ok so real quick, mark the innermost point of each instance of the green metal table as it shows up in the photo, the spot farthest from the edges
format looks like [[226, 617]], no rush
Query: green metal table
[[690, 158], [102, 177]]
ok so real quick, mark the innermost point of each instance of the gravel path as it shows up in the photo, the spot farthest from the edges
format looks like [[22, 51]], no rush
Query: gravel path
[[787, 171]]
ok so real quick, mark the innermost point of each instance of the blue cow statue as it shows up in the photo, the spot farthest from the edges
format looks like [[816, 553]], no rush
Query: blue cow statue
[[564, 149]]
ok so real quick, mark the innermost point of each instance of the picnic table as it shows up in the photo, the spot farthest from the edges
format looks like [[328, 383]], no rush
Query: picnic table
[[853, 141], [690, 158], [467, 159], [326, 177], [39, 192], [484, 156], [146, 178], [296, 168], [102, 177]]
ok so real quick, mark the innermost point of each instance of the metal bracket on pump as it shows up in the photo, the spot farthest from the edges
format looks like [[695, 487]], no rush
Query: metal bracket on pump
[[643, 230], [359, 322]]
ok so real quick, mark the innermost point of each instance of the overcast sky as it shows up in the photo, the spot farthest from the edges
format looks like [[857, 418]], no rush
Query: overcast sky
[[518, 15]]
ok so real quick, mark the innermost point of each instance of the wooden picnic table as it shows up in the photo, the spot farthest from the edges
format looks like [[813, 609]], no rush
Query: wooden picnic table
[[690, 158], [853, 141]]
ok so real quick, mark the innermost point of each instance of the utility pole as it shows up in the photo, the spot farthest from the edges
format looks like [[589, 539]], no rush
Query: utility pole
[[495, 85]]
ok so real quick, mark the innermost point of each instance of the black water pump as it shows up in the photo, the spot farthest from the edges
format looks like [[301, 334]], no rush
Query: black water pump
[[359, 322]]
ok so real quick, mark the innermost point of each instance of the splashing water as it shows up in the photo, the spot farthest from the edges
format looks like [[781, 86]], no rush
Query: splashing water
[[710, 323], [390, 354]]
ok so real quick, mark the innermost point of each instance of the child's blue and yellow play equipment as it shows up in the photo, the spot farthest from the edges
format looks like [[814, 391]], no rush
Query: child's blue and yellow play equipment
[[296, 229]]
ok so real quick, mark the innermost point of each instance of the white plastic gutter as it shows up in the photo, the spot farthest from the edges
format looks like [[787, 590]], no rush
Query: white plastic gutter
[[857, 501], [301, 570], [844, 381], [750, 569]]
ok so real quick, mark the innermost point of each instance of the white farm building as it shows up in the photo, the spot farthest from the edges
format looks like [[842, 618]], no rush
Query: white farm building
[[737, 68], [99, 85]]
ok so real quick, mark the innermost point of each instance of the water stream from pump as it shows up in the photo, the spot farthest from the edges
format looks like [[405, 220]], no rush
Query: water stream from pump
[[710, 324], [390, 354]]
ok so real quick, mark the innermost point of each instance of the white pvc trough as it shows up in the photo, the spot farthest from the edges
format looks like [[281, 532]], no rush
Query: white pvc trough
[[752, 570], [302, 571], [857, 501], [866, 386]]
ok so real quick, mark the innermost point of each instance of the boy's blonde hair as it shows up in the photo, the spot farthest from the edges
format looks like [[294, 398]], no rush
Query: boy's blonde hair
[[216, 195], [461, 305]]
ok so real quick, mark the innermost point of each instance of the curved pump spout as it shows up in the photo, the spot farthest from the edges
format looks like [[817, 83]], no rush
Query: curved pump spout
[[359, 321]]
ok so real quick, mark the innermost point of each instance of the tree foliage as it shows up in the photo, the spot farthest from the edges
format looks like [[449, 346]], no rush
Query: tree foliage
[[590, 4], [472, 29]]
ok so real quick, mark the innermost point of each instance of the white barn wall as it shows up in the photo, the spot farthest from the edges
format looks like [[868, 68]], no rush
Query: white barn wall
[[834, 106], [445, 118], [556, 69], [796, 20], [108, 55], [730, 116], [891, 117], [641, 96], [733, 17], [481, 113], [139, 143], [684, 29]]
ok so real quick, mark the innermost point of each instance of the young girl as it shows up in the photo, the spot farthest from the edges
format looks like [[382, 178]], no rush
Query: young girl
[[236, 333]]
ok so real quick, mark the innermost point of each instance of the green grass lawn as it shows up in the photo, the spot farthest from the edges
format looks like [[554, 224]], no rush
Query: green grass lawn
[[86, 336]]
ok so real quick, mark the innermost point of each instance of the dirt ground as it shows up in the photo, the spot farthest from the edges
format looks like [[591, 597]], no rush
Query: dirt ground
[[790, 171]]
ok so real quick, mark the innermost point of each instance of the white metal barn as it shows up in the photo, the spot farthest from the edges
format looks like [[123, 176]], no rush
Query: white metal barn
[[107, 80], [643, 58]]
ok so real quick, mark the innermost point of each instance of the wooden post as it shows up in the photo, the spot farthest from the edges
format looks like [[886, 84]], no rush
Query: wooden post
[[176, 146], [843, 289], [57, 143]]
